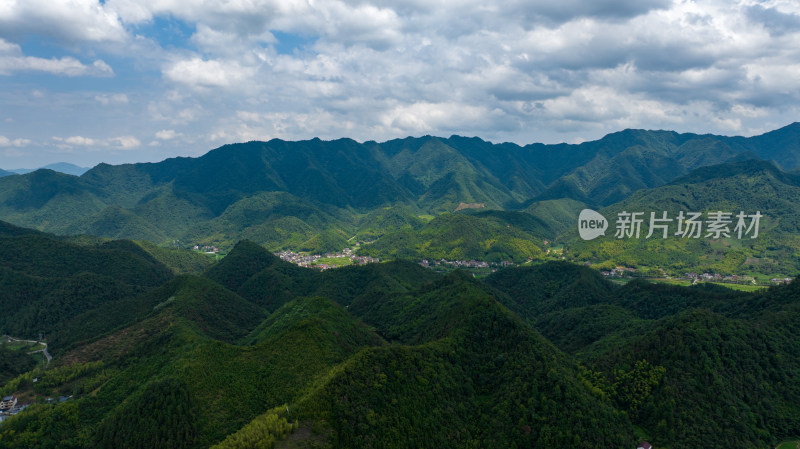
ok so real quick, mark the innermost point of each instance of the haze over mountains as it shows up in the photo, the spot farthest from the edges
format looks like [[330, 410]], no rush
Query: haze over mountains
[[61, 167]]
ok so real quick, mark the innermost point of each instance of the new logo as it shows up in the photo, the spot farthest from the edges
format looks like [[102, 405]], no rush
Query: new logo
[[591, 224]]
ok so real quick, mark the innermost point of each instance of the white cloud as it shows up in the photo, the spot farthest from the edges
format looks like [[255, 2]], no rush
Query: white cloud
[[119, 143], [68, 20], [77, 140], [66, 66], [377, 69], [124, 142], [12, 61], [196, 72], [424, 117], [167, 134], [17, 143], [106, 99]]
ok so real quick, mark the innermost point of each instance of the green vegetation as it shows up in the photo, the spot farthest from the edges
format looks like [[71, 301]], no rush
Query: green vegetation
[[709, 340], [492, 236], [334, 261], [321, 196], [394, 355], [15, 360], [163, 347], [180, 260], [748, 186], [260, 433]]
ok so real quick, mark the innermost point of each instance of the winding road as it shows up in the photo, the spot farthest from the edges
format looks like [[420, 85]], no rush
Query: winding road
[[43, 350]]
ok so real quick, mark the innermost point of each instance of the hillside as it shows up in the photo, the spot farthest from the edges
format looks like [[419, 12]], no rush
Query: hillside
[[176, 356], [747, 186], [286, 194], [698, 356], [394, 355], [493, 236], [473, 367], [49, 286]]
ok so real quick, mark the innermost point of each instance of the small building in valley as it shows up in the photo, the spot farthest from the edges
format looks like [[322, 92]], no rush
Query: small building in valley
[[8, 403]]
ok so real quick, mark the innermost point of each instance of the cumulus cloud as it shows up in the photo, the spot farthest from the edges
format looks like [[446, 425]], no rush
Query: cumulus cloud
[[125, 142], [66, 66], [12, 60], [521, 70], [197, 72], [67, 20], [18, 143], [773, 20], [76, 140], [118, 143], [167, 134]]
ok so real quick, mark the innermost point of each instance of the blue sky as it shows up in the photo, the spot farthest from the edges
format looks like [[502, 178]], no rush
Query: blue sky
[[85, 81]]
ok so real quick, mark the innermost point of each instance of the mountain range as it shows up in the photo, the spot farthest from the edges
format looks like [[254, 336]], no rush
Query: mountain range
[[432, 197]]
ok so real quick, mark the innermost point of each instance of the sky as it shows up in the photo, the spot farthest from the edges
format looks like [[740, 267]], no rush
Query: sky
[[116, 81]]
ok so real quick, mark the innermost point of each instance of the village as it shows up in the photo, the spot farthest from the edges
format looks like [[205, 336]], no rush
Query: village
[[464, 264], [694, 278], [327, 261]]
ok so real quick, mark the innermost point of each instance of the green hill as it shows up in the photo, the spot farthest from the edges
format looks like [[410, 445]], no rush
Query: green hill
[[175, 359], [243, 262], [473, 366], [747, 186], [492, 236], [393, 354], [557, 215], [696, 358], [52, 287]]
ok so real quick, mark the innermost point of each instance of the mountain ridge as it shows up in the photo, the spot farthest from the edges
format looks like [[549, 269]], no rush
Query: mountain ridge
[[315, 195]]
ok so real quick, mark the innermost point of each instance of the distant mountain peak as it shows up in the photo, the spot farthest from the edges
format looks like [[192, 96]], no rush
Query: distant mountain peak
[[61, 167]]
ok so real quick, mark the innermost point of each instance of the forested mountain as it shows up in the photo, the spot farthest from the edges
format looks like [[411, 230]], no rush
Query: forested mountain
[[706, 363], [258, 351], [747, 186], [316, 195]]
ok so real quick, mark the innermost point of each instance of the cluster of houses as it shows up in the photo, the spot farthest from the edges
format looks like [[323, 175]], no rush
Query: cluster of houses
[[312, 260], [464, 263], [363, 260], [298, 259], [619, 272], [208, 249], [716, 277], [781, 280], [698, 277], [9, 406]]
